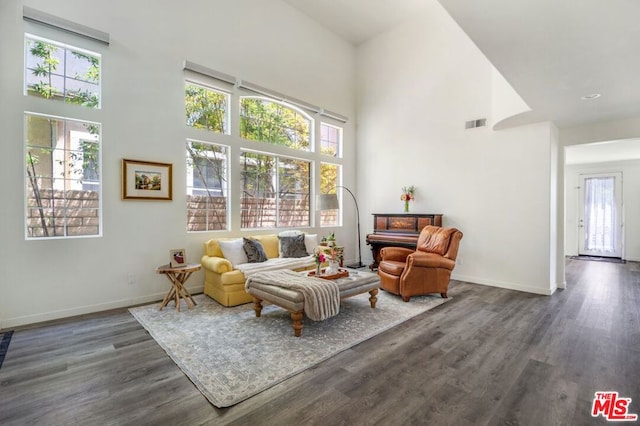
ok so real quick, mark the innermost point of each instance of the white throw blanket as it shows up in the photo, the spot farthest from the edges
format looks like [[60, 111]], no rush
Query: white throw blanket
[[249, 269], [321, 297]]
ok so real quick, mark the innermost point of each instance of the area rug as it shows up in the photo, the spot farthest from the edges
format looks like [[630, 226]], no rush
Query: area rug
[[599, 259], [230, 355]]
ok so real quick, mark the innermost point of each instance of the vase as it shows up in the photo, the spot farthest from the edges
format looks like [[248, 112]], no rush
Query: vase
[[333, 267], [318, 270], [406, 206]]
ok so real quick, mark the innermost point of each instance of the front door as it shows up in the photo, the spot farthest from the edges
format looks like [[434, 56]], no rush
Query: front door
[[600, 222]]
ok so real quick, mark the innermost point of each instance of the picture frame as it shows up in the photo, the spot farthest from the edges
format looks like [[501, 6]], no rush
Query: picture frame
[[177, 258], [146, 180]]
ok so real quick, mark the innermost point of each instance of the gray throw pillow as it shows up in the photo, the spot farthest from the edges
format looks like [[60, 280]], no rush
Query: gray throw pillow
[[254, 250], [293, 246]]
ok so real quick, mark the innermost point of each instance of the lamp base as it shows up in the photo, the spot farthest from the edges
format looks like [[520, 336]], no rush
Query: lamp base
[[357, 265]]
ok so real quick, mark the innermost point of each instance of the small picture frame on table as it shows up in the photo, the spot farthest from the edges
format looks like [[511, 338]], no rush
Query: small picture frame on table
[[178, 258]]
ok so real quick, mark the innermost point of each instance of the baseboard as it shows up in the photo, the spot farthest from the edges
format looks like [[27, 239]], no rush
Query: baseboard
[[8, 323], [502, 284]]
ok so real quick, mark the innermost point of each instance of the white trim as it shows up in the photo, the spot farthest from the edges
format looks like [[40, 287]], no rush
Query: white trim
[[508, 285], [39, 17], [200, 69], [8, 323]]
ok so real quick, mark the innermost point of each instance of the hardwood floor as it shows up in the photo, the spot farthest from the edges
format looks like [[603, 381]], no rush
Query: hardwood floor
[[490, 356]]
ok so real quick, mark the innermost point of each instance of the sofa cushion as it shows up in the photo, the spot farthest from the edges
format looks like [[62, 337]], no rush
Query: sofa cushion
[[269, 244], [233, 251], [254, 250], [437, 241], [311, 242], [293, 246]]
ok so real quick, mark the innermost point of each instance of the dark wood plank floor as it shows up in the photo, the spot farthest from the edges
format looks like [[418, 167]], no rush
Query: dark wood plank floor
[[490, 356]]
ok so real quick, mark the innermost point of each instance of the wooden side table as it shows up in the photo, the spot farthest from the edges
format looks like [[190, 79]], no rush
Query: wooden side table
[[178, 276]]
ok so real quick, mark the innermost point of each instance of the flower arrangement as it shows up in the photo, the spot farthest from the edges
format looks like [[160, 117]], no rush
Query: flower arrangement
[[319, 258], [408, 194]]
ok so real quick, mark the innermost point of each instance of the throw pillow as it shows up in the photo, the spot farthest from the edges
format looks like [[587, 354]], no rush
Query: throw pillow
[[233, 251], [311, 242], [287, 233], [254, 250], [293, 246]]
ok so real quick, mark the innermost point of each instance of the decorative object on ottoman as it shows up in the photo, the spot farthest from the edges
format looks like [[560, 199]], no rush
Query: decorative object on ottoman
[[427, 269]]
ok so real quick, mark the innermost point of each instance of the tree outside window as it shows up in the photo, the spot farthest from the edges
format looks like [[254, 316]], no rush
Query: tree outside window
[[275, 191], [59, 72], [267, 121], [206, 186]]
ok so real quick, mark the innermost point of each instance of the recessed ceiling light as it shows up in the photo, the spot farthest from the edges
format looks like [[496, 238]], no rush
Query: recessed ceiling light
[[590, 97]]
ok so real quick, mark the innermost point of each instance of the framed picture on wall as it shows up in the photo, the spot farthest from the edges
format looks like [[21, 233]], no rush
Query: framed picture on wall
[[146, 180], [178, 257]]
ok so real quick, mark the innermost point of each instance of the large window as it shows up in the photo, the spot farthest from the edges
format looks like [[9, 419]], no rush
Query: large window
[[207, 108], [207, 195], [60, 72], [62, 172], [62, 155], [256, 155], [275, 191], [266, 121]]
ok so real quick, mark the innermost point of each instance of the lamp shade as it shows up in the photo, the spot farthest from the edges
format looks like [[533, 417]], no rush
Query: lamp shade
[[327, 202]]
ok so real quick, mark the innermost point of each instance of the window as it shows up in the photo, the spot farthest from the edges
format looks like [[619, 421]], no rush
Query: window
[[62, 172], [330, 175], [275, 191], [269, 141], [207, 108], [207, 177], [60, 72], [330, 140], [267, 121]]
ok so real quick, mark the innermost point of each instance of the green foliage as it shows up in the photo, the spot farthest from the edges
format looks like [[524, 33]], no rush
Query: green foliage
[[266, 121], [48, 64], [205, 108]]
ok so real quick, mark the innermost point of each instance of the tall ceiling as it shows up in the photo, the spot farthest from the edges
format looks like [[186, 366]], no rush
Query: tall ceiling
[[552, 52]]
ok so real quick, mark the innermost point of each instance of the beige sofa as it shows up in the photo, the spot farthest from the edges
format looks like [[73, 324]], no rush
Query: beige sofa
[[224, 282]]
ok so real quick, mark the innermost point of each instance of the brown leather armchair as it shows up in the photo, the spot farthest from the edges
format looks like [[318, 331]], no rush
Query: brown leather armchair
[[427, 269]]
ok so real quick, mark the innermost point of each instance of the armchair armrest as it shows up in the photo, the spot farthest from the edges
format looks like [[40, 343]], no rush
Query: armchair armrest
[[398, 254], [219, 265], [429, 260]]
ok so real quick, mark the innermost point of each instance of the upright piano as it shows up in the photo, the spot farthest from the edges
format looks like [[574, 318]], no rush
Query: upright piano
[[398, 230]]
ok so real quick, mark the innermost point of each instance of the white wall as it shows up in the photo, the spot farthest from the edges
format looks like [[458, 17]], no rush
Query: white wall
[[630, 198], [417, 85], [265, 42]]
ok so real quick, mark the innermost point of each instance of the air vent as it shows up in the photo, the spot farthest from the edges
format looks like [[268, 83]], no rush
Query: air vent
[[472, 124]]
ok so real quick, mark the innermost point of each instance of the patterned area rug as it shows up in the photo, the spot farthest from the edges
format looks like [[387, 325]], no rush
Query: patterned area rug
[[230, 355]]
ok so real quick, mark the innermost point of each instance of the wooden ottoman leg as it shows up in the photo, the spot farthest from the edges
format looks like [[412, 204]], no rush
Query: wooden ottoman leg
[[296, 317], [257, 306], [373, 299]]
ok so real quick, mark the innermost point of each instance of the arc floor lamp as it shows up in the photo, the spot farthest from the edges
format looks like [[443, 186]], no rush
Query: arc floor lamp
[[330, 202]]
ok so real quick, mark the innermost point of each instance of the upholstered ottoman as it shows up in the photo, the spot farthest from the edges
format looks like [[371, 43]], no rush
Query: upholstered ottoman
[[358, 282]]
